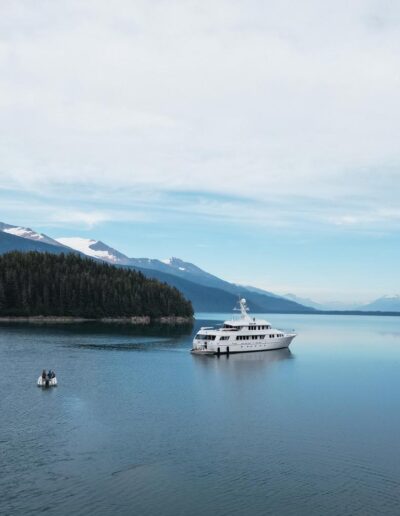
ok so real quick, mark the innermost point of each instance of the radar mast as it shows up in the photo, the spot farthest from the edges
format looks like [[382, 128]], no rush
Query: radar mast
[[243, 308]]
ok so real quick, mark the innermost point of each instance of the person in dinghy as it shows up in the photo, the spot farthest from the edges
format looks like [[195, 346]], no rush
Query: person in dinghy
[[47, 379]]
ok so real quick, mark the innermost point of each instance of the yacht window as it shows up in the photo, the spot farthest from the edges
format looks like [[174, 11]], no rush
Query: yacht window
[[201, 336], [224, 338]]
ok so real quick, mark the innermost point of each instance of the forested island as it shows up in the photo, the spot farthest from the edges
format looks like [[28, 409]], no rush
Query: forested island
[[46, 285]]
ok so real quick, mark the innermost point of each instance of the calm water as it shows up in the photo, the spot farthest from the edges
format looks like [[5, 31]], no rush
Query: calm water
[[140, 426]]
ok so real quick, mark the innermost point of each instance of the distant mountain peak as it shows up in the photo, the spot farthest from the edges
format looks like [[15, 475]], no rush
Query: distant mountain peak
[[176, 262], [388, 303], [95, 249], [179, 264], [28, 233]]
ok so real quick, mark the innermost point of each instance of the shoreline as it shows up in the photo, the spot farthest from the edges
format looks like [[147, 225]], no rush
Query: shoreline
[[144, 320]]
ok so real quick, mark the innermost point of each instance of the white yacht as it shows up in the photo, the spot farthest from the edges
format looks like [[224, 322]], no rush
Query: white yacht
[[240, 335]]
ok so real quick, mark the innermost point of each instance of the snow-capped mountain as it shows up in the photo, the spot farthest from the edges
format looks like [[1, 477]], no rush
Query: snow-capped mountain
[[206, 291], [95, 249], [27, 233], [180, 268], [178, 264]]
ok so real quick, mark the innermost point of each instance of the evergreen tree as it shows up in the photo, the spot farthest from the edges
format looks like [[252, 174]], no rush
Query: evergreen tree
[[69, 285]]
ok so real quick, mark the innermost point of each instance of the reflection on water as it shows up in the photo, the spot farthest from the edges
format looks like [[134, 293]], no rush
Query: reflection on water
[[98, 328], [243, 361], [139, 425]]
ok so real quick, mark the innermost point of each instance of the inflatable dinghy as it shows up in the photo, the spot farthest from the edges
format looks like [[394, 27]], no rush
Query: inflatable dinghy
[[47, 382]]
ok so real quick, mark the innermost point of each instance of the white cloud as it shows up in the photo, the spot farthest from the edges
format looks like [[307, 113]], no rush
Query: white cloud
[[368, 217], [275, 101]]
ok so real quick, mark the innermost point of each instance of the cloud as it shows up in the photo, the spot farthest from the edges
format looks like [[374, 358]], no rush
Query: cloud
[[68, 213], [370, 217], [84, 219], [290, 106]]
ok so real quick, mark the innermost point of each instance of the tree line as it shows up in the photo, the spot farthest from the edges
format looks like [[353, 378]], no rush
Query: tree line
[[44, 284]]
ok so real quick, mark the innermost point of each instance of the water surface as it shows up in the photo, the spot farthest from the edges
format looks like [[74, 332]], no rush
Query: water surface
[[138, 425]]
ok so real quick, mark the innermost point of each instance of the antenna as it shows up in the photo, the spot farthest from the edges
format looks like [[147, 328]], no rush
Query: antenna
[[243, 308]]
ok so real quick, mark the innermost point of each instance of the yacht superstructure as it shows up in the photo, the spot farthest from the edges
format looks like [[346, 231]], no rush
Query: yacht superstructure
[[245, 334]]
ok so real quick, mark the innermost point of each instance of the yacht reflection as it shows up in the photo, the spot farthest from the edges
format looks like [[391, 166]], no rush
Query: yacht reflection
[[243, 361]]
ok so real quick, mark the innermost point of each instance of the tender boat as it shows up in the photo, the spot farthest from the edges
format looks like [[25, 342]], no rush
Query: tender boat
[[241, 335], [47, 382]]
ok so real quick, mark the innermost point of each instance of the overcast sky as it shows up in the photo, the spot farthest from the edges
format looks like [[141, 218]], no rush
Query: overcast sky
[[257, 139]]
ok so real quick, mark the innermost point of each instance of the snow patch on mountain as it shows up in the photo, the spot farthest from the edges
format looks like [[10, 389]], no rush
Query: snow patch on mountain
[[95, 249], [79, 244], [28, 233]]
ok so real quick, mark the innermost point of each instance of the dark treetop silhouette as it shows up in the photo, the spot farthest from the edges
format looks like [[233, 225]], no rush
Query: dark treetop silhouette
[[44, 284]]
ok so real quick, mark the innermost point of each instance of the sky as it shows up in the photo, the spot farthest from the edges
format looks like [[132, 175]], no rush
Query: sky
[[258, 139]]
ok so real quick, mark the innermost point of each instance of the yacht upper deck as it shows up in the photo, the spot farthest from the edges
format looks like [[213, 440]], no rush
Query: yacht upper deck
[[242, 322], [250, 323]]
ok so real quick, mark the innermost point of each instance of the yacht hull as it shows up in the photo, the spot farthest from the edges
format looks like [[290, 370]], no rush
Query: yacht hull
[[244, 347]]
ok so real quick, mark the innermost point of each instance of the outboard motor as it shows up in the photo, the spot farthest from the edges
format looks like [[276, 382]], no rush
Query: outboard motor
[[47, 382]]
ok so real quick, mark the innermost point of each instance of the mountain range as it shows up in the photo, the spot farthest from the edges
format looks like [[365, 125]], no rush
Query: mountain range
[[382, 304], [207, 292]]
